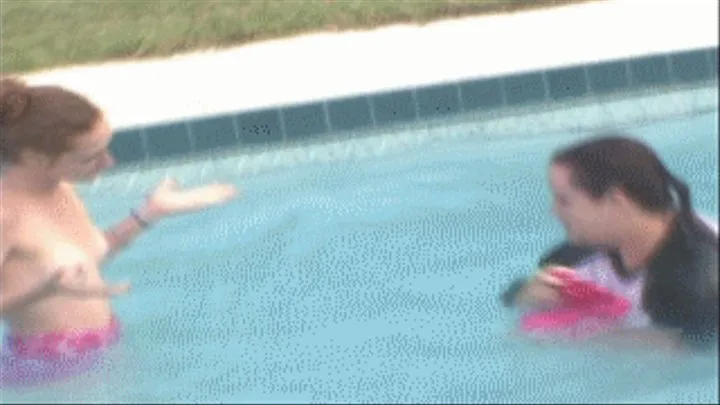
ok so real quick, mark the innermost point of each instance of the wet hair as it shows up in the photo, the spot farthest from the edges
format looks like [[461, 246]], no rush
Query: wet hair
[[617, 161], [43, 119]]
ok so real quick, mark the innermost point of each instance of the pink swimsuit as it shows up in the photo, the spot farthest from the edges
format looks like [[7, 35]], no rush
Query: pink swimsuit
[[27, 360]]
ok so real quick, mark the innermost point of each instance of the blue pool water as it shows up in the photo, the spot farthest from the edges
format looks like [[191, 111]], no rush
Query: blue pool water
[[371, 280]]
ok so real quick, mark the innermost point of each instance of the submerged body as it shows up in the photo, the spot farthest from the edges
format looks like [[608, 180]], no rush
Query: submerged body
[[631, 229], [54, 298]]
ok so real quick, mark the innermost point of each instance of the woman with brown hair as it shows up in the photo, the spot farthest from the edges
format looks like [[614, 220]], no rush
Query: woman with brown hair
[[52, 293]]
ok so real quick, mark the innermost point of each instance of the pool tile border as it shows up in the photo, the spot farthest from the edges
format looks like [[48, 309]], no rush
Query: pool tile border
[[290, 124]]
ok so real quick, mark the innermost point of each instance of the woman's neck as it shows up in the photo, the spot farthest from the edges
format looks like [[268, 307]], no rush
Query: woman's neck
[[643, 238], [22, 179]]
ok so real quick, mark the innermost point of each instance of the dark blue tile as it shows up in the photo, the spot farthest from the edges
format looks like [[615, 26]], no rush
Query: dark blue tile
[[567, 82], [213, 133], [438, 100], [257, 127], [168, 140], [127, 146], [350, 113], [608, 77], [303, 121], [481, 94], [524, 88], [394, 107], [649, 71], [691, 66], [713, 55]]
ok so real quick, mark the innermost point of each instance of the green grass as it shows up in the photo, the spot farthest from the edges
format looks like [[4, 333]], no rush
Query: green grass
[[41, 34]]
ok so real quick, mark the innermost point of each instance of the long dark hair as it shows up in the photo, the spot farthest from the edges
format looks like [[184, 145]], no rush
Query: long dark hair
[[617, 161]]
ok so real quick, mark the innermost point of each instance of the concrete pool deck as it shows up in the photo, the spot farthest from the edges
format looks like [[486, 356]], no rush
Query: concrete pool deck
[[285, 90]]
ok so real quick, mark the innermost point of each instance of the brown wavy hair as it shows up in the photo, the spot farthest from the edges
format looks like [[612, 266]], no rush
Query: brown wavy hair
[[43, 119]]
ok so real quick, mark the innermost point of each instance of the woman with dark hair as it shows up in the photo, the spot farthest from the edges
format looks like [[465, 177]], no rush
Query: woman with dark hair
[[52, 293], [630, 228]]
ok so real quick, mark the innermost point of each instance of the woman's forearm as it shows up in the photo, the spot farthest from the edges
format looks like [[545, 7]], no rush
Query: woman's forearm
[[122, 234]]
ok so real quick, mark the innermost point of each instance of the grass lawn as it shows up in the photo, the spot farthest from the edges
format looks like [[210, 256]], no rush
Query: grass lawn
[[41, 34]]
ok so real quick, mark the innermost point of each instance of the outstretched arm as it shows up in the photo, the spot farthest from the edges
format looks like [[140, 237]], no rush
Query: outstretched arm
[[166, 200]]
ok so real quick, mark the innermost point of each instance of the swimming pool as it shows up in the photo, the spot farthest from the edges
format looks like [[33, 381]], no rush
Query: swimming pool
[[370, 280]]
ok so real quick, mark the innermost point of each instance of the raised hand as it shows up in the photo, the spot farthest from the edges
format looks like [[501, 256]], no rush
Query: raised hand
[[543, 289], [169, 198]]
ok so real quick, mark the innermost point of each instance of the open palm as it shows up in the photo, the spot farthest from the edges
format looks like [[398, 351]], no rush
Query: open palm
[[169, 198]]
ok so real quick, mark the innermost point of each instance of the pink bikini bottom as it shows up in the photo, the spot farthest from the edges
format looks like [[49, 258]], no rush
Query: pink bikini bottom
[[47, 357]]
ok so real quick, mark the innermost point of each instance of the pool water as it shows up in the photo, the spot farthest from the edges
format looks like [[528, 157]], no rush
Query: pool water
[[373, 280]]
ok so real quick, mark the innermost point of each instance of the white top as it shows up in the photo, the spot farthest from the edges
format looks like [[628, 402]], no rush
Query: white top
[[598, 268]]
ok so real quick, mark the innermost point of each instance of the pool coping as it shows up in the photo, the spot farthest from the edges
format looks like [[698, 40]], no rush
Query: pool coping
[[346, 117]]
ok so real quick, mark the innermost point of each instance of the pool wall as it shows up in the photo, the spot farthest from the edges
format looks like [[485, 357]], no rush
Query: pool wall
[[283, 125]]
